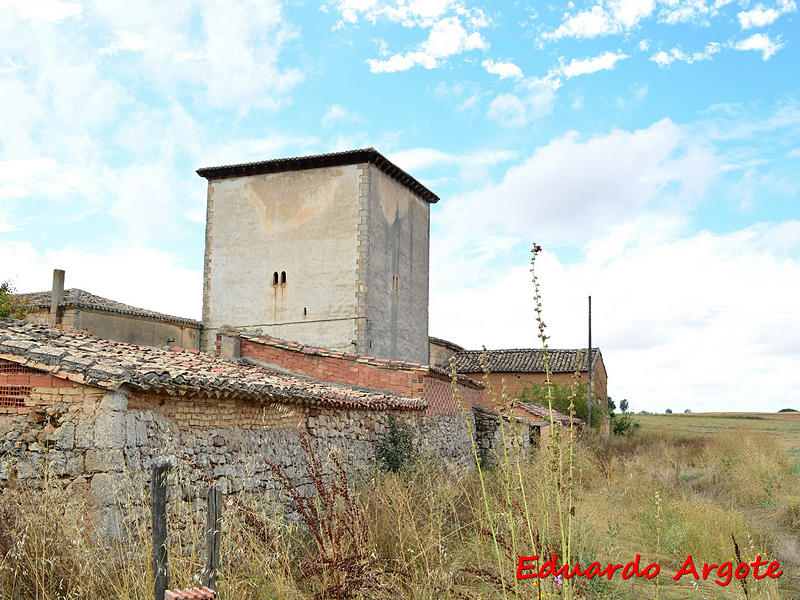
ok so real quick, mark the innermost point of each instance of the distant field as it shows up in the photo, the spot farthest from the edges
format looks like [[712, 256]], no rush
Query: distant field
[[783, 427]]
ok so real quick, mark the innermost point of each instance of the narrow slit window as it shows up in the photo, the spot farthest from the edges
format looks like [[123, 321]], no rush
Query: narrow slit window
[[275, 278], [283, 277], [395, 283]]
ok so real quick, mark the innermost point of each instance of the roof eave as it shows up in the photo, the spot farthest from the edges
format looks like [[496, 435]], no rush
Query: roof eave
[[335, 159]]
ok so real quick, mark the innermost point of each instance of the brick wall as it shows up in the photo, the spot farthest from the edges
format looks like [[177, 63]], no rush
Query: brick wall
[[23, 389], [440, 399], [346, 368], [227, 413], [405, 379]]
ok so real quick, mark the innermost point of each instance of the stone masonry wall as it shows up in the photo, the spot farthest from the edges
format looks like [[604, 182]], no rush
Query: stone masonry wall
[[102, 443]]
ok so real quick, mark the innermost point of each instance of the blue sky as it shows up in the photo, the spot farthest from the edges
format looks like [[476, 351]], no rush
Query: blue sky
[[652, 148]]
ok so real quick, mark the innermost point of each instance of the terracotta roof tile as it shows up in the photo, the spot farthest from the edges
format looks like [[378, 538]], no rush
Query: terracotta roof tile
[[543, 413], [109, 364], [524, 360]]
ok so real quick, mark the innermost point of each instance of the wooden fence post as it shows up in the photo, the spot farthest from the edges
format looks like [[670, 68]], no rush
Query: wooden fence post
[[213, 524], [158, 505]]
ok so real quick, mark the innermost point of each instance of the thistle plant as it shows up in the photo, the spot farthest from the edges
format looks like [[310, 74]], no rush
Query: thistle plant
[[470, 430], [565, 528]]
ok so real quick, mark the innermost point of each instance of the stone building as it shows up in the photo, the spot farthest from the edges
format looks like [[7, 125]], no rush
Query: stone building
[[315, 320], [84, 311], [329, 250]]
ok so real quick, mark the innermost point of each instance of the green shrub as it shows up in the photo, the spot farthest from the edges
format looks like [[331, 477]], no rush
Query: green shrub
[[537, 393], [11, 306], [623, 424], [395, 449]]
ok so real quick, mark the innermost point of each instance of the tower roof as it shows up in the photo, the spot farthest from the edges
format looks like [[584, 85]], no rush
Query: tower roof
[[317, 161]]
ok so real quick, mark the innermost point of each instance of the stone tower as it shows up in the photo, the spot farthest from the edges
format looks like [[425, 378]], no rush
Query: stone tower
[[328, 250]]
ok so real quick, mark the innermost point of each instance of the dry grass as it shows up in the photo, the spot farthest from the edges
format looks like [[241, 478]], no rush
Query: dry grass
[[423, 534]]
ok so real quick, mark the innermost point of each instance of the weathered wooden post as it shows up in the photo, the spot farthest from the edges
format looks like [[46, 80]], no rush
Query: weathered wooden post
[[213, 524], [158, 506]]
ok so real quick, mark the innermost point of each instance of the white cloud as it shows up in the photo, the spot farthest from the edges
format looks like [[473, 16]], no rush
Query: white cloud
[[412, 13], [623, 175], [337, 113], [665, 58], [760, 42], [452, 28], [49, 11], [760, 16], [644, 45], [585, 66], [534, 97], [508, 110], [231, 50], [415, 159], [446, 38], [502, 69], [673, 313], [630, 12], [140, 276], [585, 24]]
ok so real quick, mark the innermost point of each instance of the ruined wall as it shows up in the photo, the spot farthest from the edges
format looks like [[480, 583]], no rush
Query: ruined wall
[[103, 443], [396, 269], [440, 351], [494, 441], [303, 223]]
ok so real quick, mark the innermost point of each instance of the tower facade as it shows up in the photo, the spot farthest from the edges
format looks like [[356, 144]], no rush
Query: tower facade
[[329, 250]]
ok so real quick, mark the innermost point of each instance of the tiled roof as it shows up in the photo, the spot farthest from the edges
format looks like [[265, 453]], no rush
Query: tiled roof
[[75, 298], [382, 363], [524, 360], [107, 364], [334, 159], [543, 413]]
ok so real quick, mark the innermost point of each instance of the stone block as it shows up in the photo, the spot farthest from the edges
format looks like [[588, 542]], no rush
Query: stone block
[[108, 522], [114, 400], [84, 433], [29, 467], [130, 429], [78, 488], [104, 489], [65, 436], [109, 430], [104, 460]]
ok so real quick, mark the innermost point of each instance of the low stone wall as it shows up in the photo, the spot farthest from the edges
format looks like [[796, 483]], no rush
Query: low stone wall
[[490, 437], [103, 443]]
